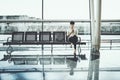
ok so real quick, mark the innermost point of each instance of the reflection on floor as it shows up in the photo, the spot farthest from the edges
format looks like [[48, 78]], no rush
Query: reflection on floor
[[57, 67], [45, 59]]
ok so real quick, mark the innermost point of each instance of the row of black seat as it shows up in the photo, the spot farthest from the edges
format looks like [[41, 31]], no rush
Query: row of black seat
[[57, 36]]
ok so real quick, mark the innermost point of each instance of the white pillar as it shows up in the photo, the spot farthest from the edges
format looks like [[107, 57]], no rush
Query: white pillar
[[97, 38], [95, 46], [92, 24], [98, 23]]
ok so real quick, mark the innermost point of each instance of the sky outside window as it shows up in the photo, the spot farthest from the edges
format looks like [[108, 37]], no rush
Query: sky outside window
[[58, 9]]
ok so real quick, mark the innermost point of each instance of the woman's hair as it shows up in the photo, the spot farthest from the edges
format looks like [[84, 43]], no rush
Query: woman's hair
[[72, 22]]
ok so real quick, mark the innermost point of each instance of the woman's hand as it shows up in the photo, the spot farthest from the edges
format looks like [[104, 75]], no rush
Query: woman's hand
[[72, 31]]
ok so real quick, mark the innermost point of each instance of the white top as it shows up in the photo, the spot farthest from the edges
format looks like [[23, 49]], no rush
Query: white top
[[73, 33]]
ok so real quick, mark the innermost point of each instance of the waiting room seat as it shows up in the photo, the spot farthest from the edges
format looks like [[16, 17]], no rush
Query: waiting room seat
[[44, 36], [31, 37], [17, 37], [59, 36]]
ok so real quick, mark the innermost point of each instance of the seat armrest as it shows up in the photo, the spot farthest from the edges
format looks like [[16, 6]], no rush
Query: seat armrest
[[79, 39], [9, 39]]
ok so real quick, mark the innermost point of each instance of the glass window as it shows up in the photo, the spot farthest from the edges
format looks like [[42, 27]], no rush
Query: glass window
[[66, 9]]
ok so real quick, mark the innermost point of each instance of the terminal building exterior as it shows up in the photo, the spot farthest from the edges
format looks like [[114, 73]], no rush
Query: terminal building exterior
[[107, 28], [7, 27]]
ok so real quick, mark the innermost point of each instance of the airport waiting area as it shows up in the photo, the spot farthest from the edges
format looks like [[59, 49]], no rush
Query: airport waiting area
[[33, 48]]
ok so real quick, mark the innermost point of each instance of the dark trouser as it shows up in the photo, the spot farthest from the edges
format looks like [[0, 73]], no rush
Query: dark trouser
[[74, 40]]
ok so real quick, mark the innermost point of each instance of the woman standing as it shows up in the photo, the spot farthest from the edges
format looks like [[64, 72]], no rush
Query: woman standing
[[72, 36]]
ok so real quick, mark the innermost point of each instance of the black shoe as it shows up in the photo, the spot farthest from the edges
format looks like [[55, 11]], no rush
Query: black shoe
[[75, 59]]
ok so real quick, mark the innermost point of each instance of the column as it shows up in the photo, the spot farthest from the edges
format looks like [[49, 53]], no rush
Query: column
[[95, 37]]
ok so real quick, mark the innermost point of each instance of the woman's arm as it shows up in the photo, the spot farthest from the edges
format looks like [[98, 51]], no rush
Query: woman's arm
[[69, 33]]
